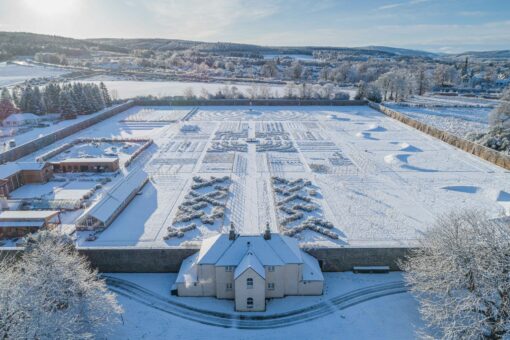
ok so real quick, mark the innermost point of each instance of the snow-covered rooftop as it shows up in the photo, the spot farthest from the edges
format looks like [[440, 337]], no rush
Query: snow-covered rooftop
[[11, 168], [8, 215], [19, 117], [90, 160], [116, 197], [250, 261]]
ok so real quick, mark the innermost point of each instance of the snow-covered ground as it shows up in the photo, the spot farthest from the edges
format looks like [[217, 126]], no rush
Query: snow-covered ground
[[150, 311], [450, 101], [456, 120], [69, 190], [132, 88], [379, 182], [37, 132], [123, 150], [11, 74]]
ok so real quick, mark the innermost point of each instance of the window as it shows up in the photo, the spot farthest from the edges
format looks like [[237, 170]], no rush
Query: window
[[228, 287], [270, 286], [249, 302], [229, 268], [249, 283], [270, 268]]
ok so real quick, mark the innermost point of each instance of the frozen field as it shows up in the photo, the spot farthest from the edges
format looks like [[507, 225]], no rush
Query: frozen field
[[11, 74], [329, 176], [456, 120], [132, 88], [151, 314]]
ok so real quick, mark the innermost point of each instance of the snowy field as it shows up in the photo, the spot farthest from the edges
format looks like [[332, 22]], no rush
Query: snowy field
[[354, 306], [122, 150], [37, 132], [132, 88], [450, 101], [456, 120], [349, 171], [11, 74], [68, 190]]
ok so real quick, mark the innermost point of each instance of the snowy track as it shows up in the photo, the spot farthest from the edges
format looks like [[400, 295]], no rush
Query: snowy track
[[243, 321]]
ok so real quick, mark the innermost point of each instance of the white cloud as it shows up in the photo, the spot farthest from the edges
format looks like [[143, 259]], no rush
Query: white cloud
[[401, 4], [199, 19]]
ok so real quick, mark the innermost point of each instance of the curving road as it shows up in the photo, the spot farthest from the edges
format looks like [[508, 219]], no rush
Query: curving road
[[245, 321]]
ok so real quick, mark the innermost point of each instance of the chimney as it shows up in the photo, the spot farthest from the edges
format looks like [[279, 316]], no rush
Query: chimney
[[232, 232], [267, 232]]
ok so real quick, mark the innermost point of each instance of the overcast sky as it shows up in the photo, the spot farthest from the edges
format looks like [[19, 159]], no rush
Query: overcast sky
[[434, 25]]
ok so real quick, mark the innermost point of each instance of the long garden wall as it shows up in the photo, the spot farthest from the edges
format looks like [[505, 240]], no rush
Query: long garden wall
[[162, 260], [249, 102], [483, 152]]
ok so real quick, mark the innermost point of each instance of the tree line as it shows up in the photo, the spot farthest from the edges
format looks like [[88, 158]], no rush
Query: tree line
[[70, 99]]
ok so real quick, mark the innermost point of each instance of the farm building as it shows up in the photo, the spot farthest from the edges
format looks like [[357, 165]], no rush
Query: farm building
[[102, 214], [14, 175], [99, 164], [23, 222], [21, 119], [249, 269]]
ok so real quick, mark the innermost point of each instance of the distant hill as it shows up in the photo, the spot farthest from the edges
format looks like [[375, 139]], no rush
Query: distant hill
[[402, 51], [21, 44], [14, 44], [504, 54]]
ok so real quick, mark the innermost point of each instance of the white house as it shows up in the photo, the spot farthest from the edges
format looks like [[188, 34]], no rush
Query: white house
[[249, 270], [21, 119]]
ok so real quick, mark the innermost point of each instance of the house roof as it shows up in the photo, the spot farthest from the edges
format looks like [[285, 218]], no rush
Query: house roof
[[26, 215], [250, 261], [188, 272], [287, 248], [256, 244], [212, 248], [105, 208], [221, 251], [21, 224], [89, 160], [9, 169], [18, 117], [311, 268]]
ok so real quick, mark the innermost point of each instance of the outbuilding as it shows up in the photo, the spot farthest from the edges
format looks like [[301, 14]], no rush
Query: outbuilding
[[21, 119], [19, 223]]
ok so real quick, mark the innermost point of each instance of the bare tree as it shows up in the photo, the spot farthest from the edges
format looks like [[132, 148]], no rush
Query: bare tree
[[500, 116], [188, 93], [460, 276], [51, 293]]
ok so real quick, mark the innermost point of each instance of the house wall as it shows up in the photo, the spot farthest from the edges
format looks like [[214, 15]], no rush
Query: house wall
[[278, 278], [37, 176], [189, 289], [310, 287], [206, 274], [222, 278], [257, 292], [292, 277], [13, 232], [87, 167]]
